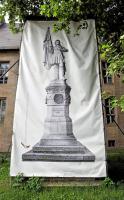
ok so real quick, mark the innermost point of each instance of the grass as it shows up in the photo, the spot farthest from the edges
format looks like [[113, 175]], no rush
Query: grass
[[102, 192], [65, 194]]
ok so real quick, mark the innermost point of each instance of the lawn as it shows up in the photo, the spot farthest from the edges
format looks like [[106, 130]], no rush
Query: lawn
[[19, 189]]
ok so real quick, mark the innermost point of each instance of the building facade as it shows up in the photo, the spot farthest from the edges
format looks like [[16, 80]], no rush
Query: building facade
[[113, 118], [9, 55]]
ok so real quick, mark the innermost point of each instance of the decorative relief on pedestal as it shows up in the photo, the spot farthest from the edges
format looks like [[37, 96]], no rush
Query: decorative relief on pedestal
[[58, 98]]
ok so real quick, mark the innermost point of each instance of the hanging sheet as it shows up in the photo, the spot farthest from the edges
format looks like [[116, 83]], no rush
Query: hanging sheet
[[58, 123]]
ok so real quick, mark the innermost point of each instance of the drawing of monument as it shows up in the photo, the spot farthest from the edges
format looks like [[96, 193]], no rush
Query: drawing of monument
[[58, 142]]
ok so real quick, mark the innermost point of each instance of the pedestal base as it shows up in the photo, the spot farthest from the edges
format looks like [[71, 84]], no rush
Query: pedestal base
[[64, 153]]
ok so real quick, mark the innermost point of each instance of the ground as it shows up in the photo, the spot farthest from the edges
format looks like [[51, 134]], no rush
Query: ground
[[30, 189]]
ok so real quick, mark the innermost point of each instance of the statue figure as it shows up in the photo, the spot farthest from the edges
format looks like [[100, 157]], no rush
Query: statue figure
[[53, 57]]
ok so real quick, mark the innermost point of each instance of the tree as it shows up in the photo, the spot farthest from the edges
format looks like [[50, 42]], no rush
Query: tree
[[108, 14]]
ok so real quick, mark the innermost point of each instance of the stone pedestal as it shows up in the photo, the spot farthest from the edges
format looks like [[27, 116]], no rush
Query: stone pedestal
[[58, 142]]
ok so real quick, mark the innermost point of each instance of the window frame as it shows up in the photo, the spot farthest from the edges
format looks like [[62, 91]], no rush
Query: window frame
[[3, 104], [4, 79], [109, 112], [107, 79], [111, 143]]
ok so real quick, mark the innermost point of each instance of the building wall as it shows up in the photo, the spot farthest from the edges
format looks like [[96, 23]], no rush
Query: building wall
[[112, 132], [119, 90], [8, 90]]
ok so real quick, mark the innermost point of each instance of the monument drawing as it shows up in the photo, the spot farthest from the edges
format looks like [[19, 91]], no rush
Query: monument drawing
[[58, 142]]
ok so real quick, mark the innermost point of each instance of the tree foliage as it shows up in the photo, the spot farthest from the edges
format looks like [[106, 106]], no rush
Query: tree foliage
[[109, 16], [17, 10]]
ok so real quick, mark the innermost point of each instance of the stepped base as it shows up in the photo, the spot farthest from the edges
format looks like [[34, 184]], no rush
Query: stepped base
[[63, 153]]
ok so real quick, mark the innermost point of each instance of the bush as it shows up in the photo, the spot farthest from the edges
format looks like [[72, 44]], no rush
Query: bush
[[115, 162]]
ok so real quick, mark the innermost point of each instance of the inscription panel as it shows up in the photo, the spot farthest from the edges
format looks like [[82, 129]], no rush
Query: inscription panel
[[58, 112]]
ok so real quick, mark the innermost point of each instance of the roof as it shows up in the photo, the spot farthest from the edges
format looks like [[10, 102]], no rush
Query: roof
[[9, 40]]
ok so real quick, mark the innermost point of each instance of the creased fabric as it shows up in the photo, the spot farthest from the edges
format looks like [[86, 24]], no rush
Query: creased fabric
[[85, 109]]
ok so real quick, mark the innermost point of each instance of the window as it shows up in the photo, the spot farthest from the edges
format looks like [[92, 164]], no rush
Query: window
[[107, 79], [2, 109], [110, 115], [111, 143], [3, 68]]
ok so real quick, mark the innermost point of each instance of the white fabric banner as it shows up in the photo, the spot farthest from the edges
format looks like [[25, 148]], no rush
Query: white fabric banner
[[58, 124]]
